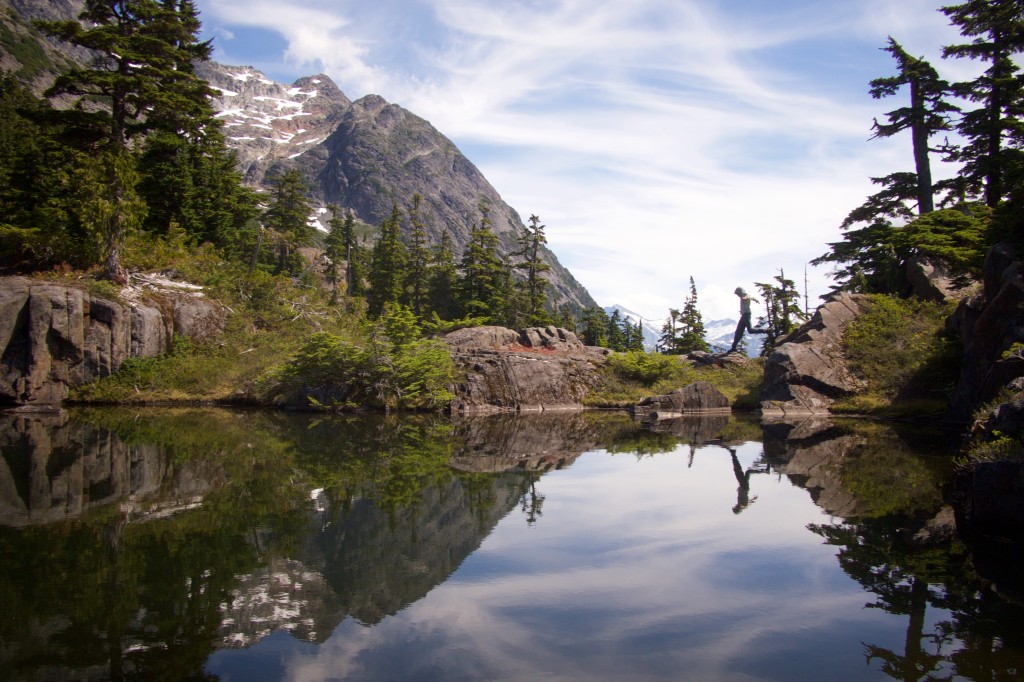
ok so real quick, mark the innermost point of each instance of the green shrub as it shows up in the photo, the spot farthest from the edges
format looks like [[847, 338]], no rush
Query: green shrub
[[645, 368], [900, 352]]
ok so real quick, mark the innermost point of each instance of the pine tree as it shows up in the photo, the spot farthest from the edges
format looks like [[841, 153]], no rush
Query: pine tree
[[479, 289], [994, 131], [387, 268], [335, 248], [145, 80], [443, 278], [536, 285], [614, 333], [668, 342], [595, 327], [929, 113], [194, 183], [417, 271], [782, 309], [288, 218], [691, 325]]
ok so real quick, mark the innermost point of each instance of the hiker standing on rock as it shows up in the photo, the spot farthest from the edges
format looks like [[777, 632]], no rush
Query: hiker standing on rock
[[744, 323]]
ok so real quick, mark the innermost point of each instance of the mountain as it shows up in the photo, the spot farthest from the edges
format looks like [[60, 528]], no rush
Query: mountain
[[719, 333], [366, 155], [651, 331]]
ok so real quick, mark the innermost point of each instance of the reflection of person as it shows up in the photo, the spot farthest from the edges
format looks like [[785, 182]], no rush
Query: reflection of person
[[743, 478], [744, 324]]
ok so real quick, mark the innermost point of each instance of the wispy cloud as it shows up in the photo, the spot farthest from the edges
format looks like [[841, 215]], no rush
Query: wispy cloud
[[656, 140]]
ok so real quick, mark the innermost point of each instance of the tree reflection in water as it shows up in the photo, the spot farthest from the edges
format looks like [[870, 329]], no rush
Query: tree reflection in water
[[898, 542], [140, 545]]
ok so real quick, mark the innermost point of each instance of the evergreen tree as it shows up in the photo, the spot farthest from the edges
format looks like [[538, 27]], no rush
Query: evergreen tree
[[634, 335], [479, 289], [387, 267], [595, 327], [194, 183], [534, 267], [443, 279], [144, 79], [288, 218], [335, 248], [927, 114], [782, 309], [417, 273], [691, 325], [42, 184], [615, 335], [668, 342], [991, 156]]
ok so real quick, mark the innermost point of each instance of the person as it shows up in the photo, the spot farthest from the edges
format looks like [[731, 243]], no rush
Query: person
[[744, 324]]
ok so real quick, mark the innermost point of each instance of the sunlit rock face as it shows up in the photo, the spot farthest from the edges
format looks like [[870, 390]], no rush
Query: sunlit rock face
[[807, 371], [529, 371]]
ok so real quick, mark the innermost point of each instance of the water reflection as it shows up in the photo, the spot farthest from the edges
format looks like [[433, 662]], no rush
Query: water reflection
[[184, 544]]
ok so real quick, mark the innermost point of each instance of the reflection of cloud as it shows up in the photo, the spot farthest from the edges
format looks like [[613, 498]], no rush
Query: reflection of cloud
[[657, 140], [638, 570]]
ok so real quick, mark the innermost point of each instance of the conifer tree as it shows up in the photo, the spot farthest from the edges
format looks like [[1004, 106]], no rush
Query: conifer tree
[[443, 278], [668, 342], [387, 268], [417, 271], [691, 325], [534, 267], [143, 79], [614, 333], [479, 288], [994, 132], [782, 309], [928, 113], [595, 327], [335, 247], [288, 217]]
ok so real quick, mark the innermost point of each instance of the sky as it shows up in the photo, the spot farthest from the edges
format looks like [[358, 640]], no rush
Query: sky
[[657, 140]]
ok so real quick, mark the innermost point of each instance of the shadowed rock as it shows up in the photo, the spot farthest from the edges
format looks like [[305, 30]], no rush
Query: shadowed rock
[[55, 337]]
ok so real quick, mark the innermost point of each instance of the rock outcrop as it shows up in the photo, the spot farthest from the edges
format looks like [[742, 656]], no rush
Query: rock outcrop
[[698, 397], [988, 498], [54, 337], [806, 373], [541, 368], [989, 324]]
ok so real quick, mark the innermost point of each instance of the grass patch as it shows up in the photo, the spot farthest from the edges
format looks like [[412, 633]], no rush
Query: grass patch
[[627, 378], [899, 350]]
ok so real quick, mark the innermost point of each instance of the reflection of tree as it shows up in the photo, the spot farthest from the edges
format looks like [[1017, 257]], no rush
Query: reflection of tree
[[982, 634], [532, 501]]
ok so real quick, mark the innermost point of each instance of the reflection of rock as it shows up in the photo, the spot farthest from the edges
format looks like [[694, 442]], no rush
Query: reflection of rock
[[693, 429], [811, 453], [536, 369], [989, 499], [699, 396], [533, 442], [53, 470], [807, 372]]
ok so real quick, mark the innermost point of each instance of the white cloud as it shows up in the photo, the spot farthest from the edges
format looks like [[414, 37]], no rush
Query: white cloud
[[656, 140]]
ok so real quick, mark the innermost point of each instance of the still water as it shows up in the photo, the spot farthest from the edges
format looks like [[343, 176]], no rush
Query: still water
[[207, 544]]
